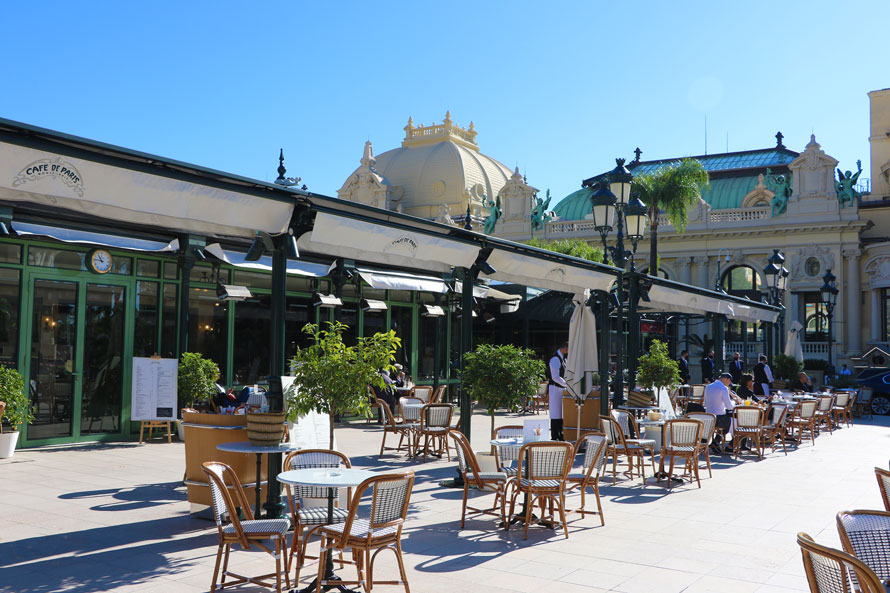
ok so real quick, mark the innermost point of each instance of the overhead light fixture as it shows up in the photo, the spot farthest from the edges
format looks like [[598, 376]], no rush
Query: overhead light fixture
[[290, 245], [488, 317], [486, 268], [232, 292], [261, 244], [432, 311], [510, 306], [372, 306], [325, 300]]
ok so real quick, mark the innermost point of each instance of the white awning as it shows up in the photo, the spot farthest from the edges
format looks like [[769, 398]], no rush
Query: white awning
[[402, 281], [340, 236], [91, 238], [118, 193], [480, 291], [236, 258], [663, 298], [545, 273]]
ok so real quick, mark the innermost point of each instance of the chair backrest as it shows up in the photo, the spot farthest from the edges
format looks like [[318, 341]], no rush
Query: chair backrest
[[438, 394], [613, 432], [595, 454], [825, 402], [709, 424], [748, 416], [225, 502], [503, 454], [543, 388], [466, 458], [883, 477], [842, 398], [831, 571], [410, 413], [866, 535], [390, 495], [806, 410], [314, 458], [423, 392], [864, 395], [683, 433], [387, 412], [436, 416], [698, 392], [776, 415], [624, 420], [545, 460]]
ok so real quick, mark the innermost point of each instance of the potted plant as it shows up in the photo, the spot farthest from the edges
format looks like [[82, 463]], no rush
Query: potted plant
[[333, 378], [196, 380], [15, 409], [501, 376], [658, 369], [785, 368]]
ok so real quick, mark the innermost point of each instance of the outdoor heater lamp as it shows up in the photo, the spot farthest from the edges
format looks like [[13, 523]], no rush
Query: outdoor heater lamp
[[619, 182], [325, 300], [372, 306]]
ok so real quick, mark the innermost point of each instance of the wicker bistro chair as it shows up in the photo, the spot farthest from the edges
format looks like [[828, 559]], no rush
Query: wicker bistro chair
[[862, 403], [410, 414], [246, 532], [405, 430], [483, 481], [774, 426], [804, 419], [709, 428], [588, 475], [311, 518], [381, 530], [543, 469], [438, 394], [506, 457], [866, 535], [682, 440], [840, 411], [823, 412], [618, 444], [542, 398], [747, 424], [435, 424], [883, 477], [423, 392], [832, 571]]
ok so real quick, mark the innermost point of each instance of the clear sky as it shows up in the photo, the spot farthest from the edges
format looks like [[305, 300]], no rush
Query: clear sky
[[556, 88]]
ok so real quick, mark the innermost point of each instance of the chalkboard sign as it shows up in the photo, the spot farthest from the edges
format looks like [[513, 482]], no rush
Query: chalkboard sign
[[154, 388]]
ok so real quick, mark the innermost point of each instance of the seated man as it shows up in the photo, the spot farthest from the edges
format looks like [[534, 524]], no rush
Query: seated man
[[720, 402], [803, 383]]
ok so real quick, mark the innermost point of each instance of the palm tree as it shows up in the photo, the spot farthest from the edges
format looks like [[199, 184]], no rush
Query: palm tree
[[672, 188]]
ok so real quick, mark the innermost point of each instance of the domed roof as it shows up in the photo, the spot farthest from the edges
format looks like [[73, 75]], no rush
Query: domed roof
[[575, 206], [440, 164]]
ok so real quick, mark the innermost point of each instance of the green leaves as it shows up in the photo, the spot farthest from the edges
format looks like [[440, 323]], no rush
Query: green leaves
[[333, 378], [12, 391], [672, 188], [196, 378], [657, 368], [500, 376], [573, 247]]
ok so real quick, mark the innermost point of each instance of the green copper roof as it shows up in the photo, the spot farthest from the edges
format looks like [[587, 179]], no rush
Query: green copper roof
[[574, 206], [771, 157]]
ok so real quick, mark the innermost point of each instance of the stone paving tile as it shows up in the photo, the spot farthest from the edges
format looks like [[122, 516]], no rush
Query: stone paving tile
[[113, 517]]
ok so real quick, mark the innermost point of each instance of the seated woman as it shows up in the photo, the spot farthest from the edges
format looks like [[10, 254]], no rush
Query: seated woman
[[385, 394], [746, 389], [803, 383]]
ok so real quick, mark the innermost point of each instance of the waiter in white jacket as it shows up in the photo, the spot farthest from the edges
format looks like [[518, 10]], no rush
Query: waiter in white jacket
[[556, 372]]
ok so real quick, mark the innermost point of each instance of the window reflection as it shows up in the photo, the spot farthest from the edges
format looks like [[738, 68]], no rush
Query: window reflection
[[253, 326], [208, 326]]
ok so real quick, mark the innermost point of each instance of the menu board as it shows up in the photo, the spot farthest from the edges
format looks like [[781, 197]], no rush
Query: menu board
[[311, 431], [154, 389]]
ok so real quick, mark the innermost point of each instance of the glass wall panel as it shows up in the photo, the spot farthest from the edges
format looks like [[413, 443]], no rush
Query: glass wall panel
[[121, 265], [103, 354], [298, 312], [10, 253], [208, 326], [253, 279], [400, 321], [298, 284], [10, 296], [202, 273], [253, 326], [63, 259], [815, 316], [169, 321], [171, 270], [349, 318], [427, 338], [145, 336], [373, 323], [148, 267]]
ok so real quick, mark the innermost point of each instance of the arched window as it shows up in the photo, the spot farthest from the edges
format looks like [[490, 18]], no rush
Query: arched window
[[743, 281]]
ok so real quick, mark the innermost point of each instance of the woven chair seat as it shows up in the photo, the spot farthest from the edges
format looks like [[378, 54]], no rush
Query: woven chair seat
[[360, 528], [523, 482], [679, 449], [436, 429], [494, 475], [259, 526], [319, 515], [640, 442], [747, 430]]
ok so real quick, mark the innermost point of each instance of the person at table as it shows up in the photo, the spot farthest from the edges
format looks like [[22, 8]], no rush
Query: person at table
[[763, 376], [736, 368], [683, 364], [746, 388], [844, 370], [556, 372], [803, 383], [385, 394], [719, 401], [707, 367], [223, 397]]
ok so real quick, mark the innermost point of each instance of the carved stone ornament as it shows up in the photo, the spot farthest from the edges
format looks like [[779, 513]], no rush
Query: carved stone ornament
[[759, 196], [684, 261], [445, 215], [878, 271], [798, 261], [698, 212], [813, 173], [367, 186], [517, 197]]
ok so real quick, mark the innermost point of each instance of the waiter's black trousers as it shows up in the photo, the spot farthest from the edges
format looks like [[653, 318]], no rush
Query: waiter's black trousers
[[556, 429]]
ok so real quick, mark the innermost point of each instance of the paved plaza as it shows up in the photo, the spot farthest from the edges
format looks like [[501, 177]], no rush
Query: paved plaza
[[115, 518]]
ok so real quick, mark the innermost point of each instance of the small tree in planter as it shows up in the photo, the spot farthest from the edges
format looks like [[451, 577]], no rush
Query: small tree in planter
[[501, 376], [786, 367], [658, 369], [196, 378], [16, 409], [333, 378]]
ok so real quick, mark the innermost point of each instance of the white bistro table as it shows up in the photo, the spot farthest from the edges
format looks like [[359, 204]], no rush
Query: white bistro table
[[246, 447], [332, 479]]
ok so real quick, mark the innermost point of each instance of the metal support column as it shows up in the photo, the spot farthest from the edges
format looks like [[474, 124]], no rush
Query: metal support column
[[275, 396], [719, 332], [466, 344], [605, 331], [633, 330], [618, 396]]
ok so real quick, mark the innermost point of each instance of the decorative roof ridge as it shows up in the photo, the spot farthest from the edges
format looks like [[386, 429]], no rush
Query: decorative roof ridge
[[783, 149], [421, 135]]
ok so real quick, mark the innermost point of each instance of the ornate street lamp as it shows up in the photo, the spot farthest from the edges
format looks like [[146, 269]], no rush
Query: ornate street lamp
[[829, 299], [777, 279]]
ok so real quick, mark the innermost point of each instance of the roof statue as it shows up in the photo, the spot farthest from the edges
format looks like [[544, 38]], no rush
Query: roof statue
[[494, 213], [846, 186], [539, 212], [445, 215], [780, 185]]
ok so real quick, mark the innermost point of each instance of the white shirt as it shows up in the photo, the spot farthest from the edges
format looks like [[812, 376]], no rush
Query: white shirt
[[555, 392], [717, 400]]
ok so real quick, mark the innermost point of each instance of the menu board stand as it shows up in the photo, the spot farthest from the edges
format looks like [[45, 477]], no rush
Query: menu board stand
[[154, 394]]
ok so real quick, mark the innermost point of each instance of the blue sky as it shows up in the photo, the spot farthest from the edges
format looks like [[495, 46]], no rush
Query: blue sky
[[558, 88]]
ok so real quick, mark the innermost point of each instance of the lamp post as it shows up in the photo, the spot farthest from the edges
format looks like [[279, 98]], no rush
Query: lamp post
[[829, 299], [612, 204], [777, 279]]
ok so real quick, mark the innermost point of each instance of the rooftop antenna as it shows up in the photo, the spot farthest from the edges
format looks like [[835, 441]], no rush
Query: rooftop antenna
[[706, 135], [727, 141]]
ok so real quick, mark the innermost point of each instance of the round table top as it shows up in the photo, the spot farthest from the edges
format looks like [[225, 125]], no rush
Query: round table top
[[246, 447], [405, 388], [330, 477], [508, 442], [413, 405]]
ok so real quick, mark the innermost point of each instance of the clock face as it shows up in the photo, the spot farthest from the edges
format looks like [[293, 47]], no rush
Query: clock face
[[100, 261]]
